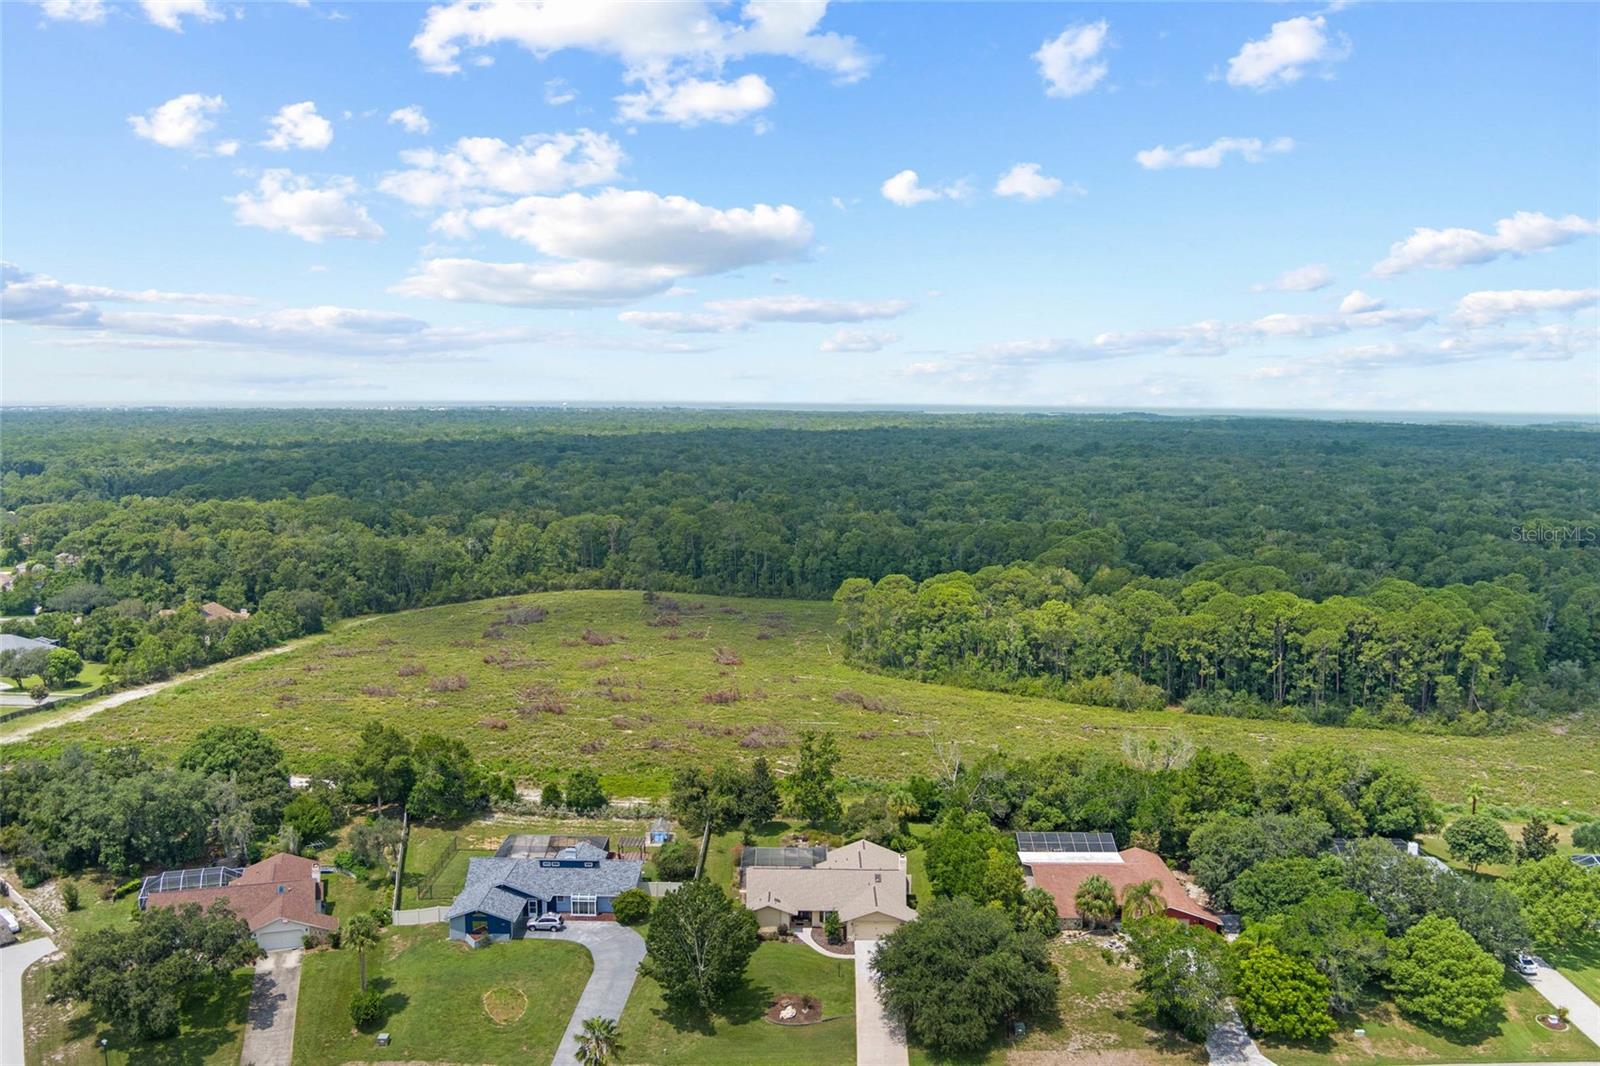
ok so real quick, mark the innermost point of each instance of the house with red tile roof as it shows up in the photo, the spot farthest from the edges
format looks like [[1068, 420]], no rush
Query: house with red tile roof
[[280, 899], [1060, 873]]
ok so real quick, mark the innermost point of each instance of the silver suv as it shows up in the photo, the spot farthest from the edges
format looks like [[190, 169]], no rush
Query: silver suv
[[549, 922]]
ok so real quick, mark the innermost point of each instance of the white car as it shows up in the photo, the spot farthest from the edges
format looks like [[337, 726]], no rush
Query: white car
[[549, 922], [9, 920], [1526, 966]]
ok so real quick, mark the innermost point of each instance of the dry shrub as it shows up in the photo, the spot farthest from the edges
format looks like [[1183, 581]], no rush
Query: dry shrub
[[410, 670], [523, 616], [377, 690], [540, 699], [722, 696], [597, 639], [669, 636], [660, 744], [596, 664], [314, 668], [386, 642], [508, 659], [619, 695], [712, 729], [619, 722], [593, 746], [664, 619], [463, 643], [728, 657], [868, 734], [494, 723], [288, 699], [764, 635], [495, 632], [281, 681], [347, 653], [866, 703], [766, 735], [448, 683], [610, 680]]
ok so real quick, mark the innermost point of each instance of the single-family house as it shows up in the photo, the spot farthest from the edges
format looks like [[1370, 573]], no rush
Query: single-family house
[[863, 883], [280, 899], [1060, 863], [215, 612], [14, 642], [501, 894]]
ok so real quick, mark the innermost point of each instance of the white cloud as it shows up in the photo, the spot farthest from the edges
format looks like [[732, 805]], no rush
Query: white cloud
[[1071, 63], [486, 169], [1283, 55], [298, 126], [28, 297], [411, 118], [1250, 149], [1025, 180], [1358, 302], [906, 189], [691, 101], [723, 316], [169, 14], [73, 10], [681, 321], [558, 92], [852, 340], [649, 39], [1287, 325], [1301, 279], [1443, 249], [1489, 307], [181, 122], [539, 285], [289, 203]]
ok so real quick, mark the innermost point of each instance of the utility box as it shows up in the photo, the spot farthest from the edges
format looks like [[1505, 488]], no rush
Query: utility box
[[383, 1039]]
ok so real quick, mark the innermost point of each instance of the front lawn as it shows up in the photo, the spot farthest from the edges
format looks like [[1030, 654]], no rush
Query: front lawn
[[654, 1033], [1580, 966], [438, 997], [1513, 1037], [60, 1034]]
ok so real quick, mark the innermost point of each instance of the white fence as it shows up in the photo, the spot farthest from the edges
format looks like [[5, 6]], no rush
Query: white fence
[[420, 916]]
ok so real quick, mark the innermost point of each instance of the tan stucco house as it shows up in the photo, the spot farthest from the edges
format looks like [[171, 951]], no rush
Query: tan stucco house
[[863, 883]]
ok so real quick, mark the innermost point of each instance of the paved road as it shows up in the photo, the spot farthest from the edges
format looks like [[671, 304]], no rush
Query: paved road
[[1230, 1045], [274, 997], [878, 1041], [617, 952], [13, 961], [1552, 985]]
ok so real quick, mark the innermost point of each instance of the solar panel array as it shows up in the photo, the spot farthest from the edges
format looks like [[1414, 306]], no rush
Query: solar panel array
[[1591, 862], [1078, 842]]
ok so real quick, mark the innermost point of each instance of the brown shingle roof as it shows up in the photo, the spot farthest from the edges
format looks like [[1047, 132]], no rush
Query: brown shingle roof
[[1061, 880], [283, 886]]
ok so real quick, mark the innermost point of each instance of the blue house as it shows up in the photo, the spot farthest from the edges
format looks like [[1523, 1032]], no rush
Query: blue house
[[502, 894]]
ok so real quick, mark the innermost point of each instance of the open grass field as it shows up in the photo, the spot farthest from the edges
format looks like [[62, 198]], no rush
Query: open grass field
[[656, 1034], [597, 683], [1513, 1037], [444, 1001]]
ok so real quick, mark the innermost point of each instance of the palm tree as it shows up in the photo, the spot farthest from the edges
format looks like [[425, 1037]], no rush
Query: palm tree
[[1143, 899], [1096, 900], [598, 1044], [361, 933]]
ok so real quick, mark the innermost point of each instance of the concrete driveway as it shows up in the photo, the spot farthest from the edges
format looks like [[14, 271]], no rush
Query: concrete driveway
[[14, 960], [1230, 1044], [1585, 1013], [879, 1042], [617, 952], [274, 995]]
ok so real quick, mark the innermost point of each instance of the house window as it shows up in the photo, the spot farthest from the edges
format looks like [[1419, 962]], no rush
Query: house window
[[583, 905]]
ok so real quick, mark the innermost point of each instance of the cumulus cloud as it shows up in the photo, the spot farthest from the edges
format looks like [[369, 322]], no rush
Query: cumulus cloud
[[1358, 302], [1522, 234], [682, 321], [906, 189], [612, 247], [480, 170], [1301, 279], [289, 203], [854, 340], [1284, 55], [73, 10], [1490, 307], [298, 126], [647, 38], [1026, 181], [410, 118], [169, 14], [1250, 149], [181, 122], [691, 101], [557, 92], [29, 297], [1073, 62]]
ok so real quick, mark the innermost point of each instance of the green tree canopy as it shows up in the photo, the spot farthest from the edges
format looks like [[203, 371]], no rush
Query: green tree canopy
[[1560, 901], [1281, 995], [699, 943], [1438, 974], [1478, 839]]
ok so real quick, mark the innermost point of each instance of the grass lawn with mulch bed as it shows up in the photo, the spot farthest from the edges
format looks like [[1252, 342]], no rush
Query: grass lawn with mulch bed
[[441, 999], [1514, 1036], [654, 1033]]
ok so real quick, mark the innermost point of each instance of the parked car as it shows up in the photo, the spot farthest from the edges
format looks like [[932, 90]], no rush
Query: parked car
[[9, 920], [550, 922], [1526, 966]]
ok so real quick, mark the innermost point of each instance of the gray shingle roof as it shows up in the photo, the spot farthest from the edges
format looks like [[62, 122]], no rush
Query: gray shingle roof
[[502, 887]]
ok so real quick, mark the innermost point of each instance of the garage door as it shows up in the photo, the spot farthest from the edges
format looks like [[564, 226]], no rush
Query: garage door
[[281, 939], [873, 927]]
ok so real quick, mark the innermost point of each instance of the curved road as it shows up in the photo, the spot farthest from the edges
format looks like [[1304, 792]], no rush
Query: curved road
[[14, 960]]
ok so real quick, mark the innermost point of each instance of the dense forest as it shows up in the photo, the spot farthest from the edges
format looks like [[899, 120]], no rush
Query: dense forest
[[1380, 566]]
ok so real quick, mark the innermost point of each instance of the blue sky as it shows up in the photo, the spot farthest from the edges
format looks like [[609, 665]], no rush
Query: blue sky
[[1363, 206]]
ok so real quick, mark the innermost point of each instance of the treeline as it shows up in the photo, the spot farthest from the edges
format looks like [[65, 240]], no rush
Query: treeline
[[378, 511], [1224, 639]]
